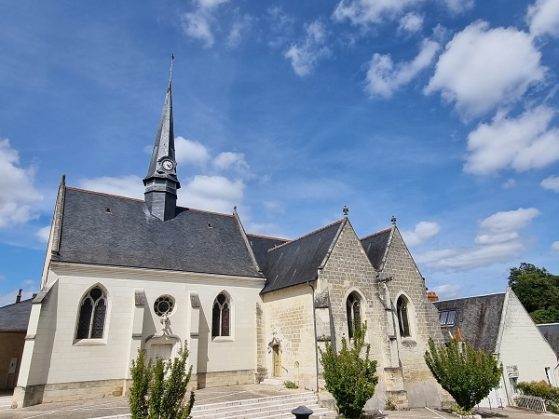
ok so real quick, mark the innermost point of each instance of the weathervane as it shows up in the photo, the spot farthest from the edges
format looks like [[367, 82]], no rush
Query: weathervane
[[345, 210]]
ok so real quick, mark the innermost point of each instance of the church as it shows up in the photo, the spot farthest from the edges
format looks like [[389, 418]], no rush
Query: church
[[123, 275]]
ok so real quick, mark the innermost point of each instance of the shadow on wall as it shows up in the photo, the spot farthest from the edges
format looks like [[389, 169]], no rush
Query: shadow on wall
[[203, 342], [39, 367]]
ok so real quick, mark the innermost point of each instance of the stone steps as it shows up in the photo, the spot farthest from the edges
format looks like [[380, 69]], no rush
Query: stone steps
[[262, 408]]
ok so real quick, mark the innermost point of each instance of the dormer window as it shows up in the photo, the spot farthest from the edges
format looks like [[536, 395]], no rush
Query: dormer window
[[447, 317]]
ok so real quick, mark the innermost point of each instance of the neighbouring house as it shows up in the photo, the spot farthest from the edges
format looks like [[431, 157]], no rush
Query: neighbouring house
[[13, 328], [550, 332], [499, 324], [123, 275]]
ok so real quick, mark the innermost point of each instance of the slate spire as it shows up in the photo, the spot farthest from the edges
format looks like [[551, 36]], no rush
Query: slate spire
[[161, 181]]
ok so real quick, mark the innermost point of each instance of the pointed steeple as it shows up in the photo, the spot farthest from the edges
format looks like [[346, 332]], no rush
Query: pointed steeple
[[161, 181]]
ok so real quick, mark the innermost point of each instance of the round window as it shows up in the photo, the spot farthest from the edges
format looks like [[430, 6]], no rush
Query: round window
[[164, 305]]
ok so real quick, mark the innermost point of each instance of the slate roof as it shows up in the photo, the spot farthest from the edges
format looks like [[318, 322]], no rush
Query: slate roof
[[550, 332], [478, 318], [375, 246], [260, 246], [113, 230], [15, 317], [297, 261]]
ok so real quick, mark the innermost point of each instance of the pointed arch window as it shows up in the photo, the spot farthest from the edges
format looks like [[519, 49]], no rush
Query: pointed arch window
[[353, 307], [403, 318], [221, 315], [93, 308]]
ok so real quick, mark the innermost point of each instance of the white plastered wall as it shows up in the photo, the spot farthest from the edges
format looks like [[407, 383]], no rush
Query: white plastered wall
[[521, 344], [54, 356]]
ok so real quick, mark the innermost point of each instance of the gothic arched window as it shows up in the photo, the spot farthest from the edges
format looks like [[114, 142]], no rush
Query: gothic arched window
[[93, 308], [353, 307], [403, 321], [221, 315]]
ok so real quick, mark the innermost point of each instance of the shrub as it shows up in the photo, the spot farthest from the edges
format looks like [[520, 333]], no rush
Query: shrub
[[350, 378], [260, 374], [466, 373], [542, 389], [158, 388], [290, 384]]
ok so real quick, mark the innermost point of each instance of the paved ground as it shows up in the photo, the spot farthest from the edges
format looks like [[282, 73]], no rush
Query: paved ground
[[118, 405]]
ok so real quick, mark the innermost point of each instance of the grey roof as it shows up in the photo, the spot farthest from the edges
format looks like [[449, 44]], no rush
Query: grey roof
[[15, 317], [550, 331], [375, 246], [478, 318], [297, 261], [112, 230], [260, 246]]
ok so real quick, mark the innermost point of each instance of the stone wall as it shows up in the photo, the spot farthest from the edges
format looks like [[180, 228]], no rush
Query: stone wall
[[419, 383], [289, 323], [348, 269]]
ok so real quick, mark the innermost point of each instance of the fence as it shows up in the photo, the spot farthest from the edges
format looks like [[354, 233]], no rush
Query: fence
[[530, 402]]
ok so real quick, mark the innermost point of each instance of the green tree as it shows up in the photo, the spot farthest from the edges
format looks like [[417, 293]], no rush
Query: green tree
[[466, 373], [158, 388], [350, 377], [538, 290]]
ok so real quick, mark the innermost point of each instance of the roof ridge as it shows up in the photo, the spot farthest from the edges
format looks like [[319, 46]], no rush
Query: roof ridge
[[376, 234], [318, 230], [73, 188], [263, 236], [472, 296], [15, 303]]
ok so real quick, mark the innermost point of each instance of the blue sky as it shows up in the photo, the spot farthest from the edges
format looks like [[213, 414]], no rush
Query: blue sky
[[442, 113]]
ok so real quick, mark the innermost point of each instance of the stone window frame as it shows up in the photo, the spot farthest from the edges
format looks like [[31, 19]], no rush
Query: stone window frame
[[362, 308], [229, 301], [411, 317], [102, 340]]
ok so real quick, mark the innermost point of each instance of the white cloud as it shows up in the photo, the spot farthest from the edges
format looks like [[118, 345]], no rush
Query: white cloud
[[482, 68], [459, 6], [240, 26], [190, 151], [551, 183], [555, 247], [215, 193], [543, 18], [130, 186], [305, 56], [232, 161], [522, 143], [509, 184], [364, 12], [498, 240], [423, 231], [43, 234], [447, 291], [411, 22], [198, 23], [18, 196], [383, 78], [368, 12]]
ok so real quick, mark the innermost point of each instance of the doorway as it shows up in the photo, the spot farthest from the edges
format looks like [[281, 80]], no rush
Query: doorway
[[276, 359]]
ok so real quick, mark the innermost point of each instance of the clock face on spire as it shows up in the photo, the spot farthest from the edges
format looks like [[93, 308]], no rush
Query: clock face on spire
[[168, 165]]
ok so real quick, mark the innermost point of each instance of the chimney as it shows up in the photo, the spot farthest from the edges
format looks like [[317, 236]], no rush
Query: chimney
[[18, 297], [432, 296]]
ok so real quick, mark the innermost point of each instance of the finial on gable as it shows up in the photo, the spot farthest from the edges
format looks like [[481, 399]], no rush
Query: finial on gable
[[345, 210], [393, 220]]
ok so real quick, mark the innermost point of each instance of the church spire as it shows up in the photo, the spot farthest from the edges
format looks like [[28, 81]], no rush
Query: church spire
[[161, 180]]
